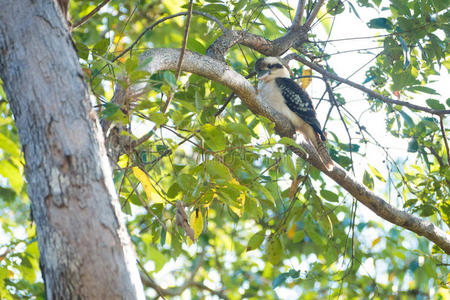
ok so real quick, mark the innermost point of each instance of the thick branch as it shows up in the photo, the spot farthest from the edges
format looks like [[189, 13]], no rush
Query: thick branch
[[167, 59], [364, 89]]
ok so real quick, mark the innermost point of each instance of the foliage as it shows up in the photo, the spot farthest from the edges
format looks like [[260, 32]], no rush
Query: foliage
[[266, 223]]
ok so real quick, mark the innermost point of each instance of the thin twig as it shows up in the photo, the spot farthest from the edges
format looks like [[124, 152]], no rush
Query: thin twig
[[227, 100], [145, 204], [150, 281], [89, 15], [364, 89], [163, 20], [334, 102], [124, 27], [231, 97], [439, 159], [444, 137], [183, 49]]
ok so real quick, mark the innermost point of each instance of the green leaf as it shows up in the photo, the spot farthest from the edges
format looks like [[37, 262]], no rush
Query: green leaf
[[186, 182], [329, 196], [131, 64], [381, 23], [423, 89], [265, 192], [368, 180], [289, 165], [316, 237], [413, 145], [214, 138], [279, 280], [112, 112], [157, 257], [274, 249], [217, 170], [158, 118], [82, 50], [174, 190], [289, 142], [215, 8], [352, 8], [346, 147], [101, 47], [256, 240], [196, 46], [408, 120], [435, 104], [335, 7], [169, 78], [239, 5], [298, 236]]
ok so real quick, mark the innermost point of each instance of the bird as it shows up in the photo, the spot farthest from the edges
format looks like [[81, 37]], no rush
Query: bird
[[278, 90]]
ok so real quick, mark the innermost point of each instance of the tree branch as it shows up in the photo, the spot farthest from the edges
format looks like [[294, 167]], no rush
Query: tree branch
[[363, 88], [167, 59], [299, 14], [313, 15]]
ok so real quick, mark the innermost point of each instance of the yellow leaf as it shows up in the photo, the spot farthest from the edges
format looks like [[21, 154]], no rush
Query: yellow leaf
[[143, 179], [291, 231], [306, 80], [196, 222], [376, 241], [239, 209]]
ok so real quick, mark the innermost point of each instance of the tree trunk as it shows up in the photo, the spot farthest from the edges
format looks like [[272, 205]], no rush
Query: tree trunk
[[86, 252]]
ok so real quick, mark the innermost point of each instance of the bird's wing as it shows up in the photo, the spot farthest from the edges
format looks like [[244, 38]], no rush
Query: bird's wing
[[299, 102]]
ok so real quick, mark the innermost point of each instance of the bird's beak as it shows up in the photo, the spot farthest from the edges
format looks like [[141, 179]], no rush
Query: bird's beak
[[263, 74]]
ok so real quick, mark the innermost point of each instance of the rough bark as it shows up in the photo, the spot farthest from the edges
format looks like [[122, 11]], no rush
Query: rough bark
[[167, 59], [85, 250]]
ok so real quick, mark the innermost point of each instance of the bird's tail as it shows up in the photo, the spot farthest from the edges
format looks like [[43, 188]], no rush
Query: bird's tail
[[323, 153]]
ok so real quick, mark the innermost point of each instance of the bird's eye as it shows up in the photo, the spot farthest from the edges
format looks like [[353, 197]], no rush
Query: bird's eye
[[277, 66], [269, 66]]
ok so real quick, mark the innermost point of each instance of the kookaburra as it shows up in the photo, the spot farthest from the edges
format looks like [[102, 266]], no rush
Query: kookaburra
[[278, 90]]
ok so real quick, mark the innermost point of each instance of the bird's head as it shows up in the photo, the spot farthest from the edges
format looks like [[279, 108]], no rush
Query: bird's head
[[269, 68]]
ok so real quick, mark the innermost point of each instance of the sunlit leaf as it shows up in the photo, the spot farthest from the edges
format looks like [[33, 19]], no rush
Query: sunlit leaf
[[196, 222], [376, 173], [145, 181]]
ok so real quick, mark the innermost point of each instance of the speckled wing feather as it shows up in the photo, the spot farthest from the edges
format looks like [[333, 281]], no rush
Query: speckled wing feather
[[300, 103]]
